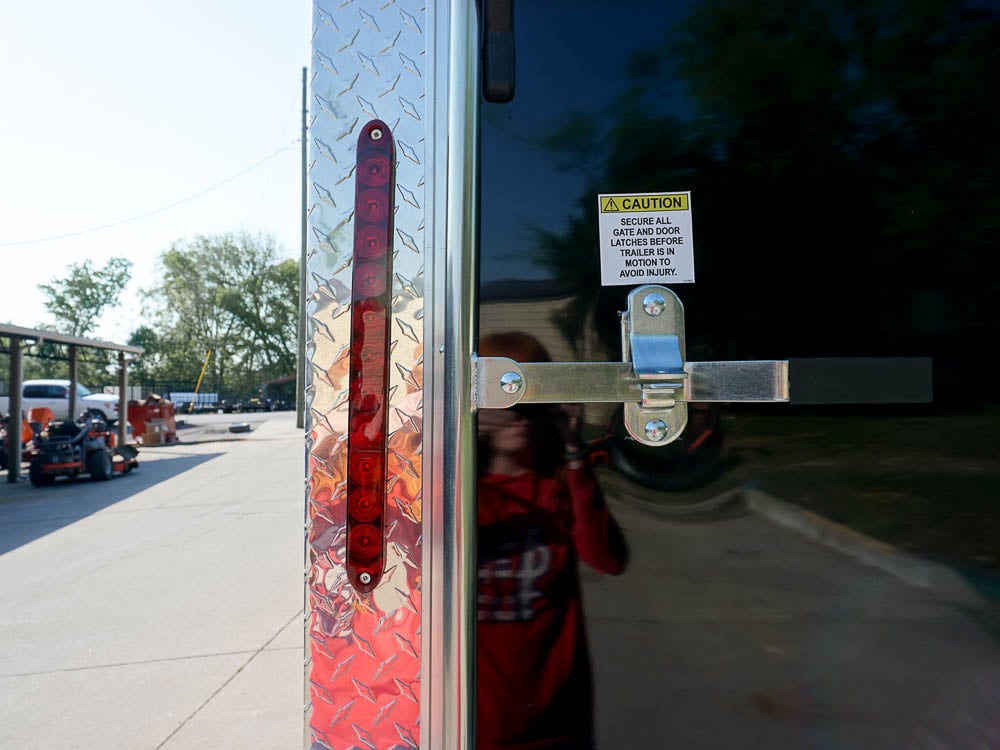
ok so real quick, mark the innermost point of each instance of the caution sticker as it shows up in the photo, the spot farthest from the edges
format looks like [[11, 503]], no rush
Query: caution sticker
[[646, 238]]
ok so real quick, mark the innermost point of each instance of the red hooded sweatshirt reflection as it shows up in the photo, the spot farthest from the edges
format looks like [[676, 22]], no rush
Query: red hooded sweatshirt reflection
[[534, 683]]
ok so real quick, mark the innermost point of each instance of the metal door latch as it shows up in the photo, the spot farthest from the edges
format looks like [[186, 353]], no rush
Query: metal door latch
[[654, 381]]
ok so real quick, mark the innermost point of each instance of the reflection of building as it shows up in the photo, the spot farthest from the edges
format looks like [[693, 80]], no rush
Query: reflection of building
[[533, 307]]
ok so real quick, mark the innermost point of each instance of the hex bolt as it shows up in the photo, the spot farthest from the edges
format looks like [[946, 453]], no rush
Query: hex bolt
[[376, 134], [511, 382], [365, 578], [656, 430], [654, 303]]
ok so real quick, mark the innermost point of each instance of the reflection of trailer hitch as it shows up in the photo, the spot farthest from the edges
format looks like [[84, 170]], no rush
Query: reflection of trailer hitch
[[70, 449]]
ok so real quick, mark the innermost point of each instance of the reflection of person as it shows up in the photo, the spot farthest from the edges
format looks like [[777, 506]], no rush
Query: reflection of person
[[540, 509]]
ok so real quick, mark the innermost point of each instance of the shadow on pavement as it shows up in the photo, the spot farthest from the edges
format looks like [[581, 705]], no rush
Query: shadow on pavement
[[28, 513]]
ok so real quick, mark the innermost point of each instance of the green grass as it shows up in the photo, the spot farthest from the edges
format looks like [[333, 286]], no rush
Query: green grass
[[926, 483]]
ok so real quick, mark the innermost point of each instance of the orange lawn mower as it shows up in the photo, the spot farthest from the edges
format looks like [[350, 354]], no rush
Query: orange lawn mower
[[70, 449]]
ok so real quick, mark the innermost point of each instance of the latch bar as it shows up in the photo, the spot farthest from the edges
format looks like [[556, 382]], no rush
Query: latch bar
[[758, 381], [499, 383], [861, 380], [655, 383]]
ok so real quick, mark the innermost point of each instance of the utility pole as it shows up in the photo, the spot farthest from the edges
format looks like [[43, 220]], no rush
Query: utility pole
[[300, 368]]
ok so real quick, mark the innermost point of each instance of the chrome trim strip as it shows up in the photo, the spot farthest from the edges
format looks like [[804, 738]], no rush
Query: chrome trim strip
[[447, 712]]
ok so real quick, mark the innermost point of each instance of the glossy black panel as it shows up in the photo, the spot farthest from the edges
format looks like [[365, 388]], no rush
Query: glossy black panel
[[799, 576]]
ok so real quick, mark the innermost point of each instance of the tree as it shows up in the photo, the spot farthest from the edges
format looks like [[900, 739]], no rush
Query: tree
[[229, 294], [140, 368], [78, 300]]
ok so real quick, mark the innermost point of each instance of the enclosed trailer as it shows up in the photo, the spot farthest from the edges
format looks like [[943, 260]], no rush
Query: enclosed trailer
[[740, 233]]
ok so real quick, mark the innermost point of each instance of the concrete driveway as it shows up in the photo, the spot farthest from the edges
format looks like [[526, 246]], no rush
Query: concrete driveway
[[161, 609]]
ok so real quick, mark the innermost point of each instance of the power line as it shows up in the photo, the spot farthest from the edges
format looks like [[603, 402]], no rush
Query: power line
[[188, 199]]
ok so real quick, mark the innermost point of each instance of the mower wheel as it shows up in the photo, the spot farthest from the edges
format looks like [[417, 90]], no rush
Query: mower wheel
[[37, 475], [99, 465]]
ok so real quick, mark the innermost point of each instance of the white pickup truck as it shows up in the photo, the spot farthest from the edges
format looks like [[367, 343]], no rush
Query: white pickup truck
[[55, 395]]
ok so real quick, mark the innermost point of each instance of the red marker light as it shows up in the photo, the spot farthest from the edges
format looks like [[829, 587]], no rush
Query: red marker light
[[371, 242], [369, 384], [375, 168]]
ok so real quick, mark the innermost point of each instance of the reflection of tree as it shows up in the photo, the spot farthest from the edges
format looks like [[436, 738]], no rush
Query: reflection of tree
[[843, 162]]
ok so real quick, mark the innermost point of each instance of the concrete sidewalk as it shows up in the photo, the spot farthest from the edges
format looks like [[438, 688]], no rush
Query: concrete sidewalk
[[162, 609]]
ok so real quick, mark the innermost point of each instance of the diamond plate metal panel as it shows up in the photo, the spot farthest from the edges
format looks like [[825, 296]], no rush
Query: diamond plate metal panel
[[363, 651]]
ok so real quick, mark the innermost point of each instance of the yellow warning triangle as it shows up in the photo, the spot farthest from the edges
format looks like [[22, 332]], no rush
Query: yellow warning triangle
[[610, 207]]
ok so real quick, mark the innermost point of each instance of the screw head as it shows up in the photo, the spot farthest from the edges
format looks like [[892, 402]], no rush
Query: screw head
[[376, 134], [656, 429], [654, 303], [365, 578], [511, 382]]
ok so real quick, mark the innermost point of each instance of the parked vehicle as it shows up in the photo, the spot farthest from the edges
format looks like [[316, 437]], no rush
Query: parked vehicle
[[189, 402], [70, 449], [278, 394], [54, 394]]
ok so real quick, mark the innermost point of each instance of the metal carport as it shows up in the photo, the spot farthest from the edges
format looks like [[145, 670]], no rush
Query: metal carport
[[16, 338]]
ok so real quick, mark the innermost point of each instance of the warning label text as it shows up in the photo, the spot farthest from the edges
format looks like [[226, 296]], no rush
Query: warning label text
[[646, 238], [611, 204]]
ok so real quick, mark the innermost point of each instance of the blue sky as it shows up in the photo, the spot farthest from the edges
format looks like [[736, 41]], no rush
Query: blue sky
[[116, 109]]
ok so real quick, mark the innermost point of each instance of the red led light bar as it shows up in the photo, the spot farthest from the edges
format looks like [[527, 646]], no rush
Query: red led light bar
[[369, 385]]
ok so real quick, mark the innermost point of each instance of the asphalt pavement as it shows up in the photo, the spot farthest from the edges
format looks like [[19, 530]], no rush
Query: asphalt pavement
[[757, 624]]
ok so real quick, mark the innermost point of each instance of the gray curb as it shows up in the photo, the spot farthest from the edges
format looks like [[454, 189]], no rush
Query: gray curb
[[911, 569]]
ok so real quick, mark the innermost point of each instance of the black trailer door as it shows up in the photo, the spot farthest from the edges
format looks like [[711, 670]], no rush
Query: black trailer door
[[796, 575]]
